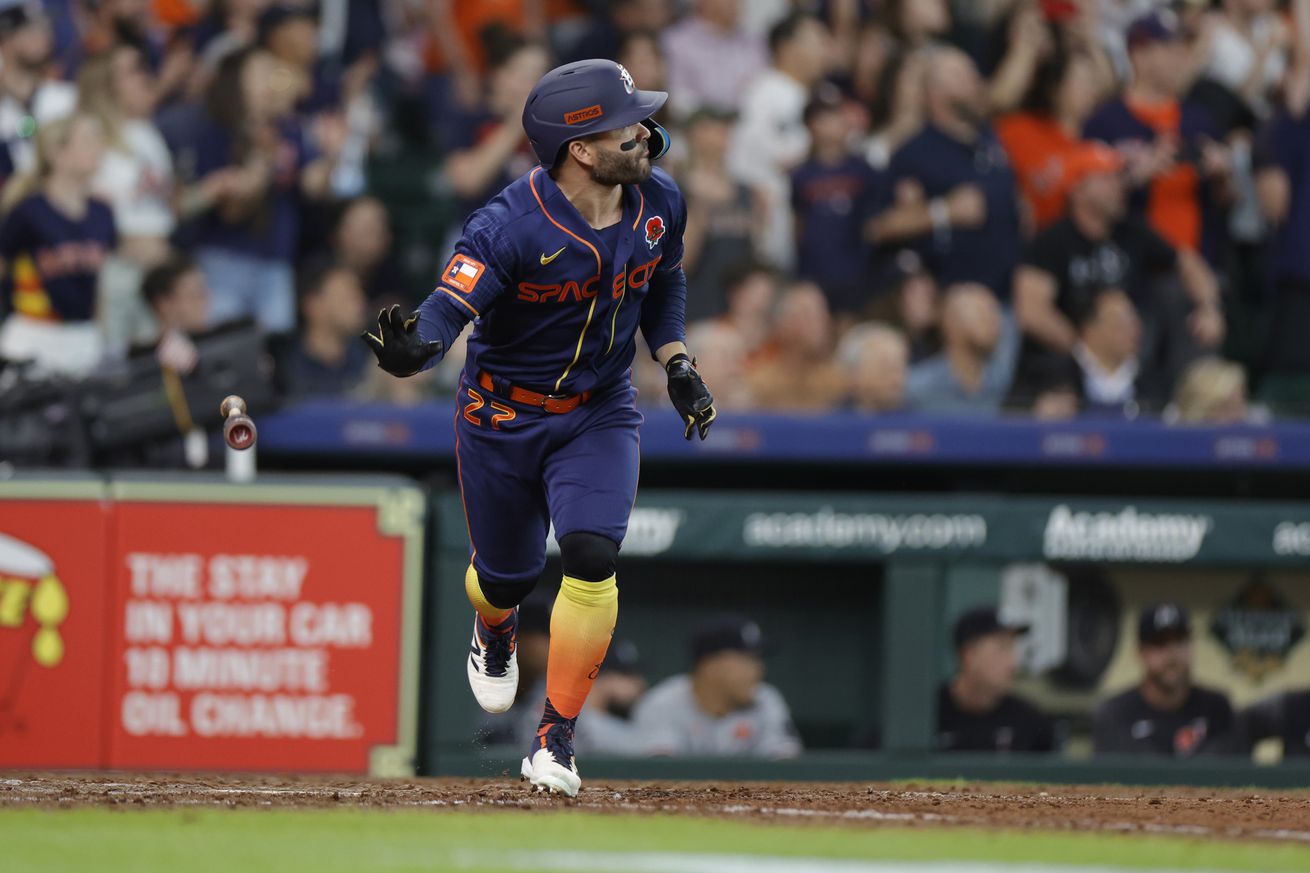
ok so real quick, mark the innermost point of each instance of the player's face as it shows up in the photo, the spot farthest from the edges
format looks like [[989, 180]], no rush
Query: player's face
[[993, 661], [1168, 664], [612, 165]]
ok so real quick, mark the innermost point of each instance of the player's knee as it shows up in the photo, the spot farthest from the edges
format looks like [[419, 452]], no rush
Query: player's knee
[[588, 556], [505, 593]]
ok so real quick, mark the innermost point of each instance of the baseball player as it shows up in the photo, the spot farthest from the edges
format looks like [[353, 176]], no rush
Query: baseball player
[[558, 271]]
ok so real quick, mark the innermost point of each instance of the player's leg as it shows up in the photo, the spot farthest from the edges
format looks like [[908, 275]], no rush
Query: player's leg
[[591, 481], [507, 521]]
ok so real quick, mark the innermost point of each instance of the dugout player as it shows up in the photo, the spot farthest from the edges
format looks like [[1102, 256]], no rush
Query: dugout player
[[559, 271], [977, 710], [1166, 714]]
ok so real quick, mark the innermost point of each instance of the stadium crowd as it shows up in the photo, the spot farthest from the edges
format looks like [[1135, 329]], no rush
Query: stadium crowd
[[1044, 206]]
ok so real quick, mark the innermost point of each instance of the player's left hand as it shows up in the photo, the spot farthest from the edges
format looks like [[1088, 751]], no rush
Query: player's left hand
[[398, 347], [690, 395]]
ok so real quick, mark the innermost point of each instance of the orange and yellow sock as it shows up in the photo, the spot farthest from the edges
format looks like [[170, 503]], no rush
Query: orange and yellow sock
[[492, 615], [580, 630]]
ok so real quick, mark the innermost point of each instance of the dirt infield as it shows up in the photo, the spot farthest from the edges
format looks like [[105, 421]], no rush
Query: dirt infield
[[1229, 814]]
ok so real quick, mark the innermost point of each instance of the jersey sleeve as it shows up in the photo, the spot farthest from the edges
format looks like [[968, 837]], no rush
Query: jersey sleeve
[[664, 311], [480, 270]]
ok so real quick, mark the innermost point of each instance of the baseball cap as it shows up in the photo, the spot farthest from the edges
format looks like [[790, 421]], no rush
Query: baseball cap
[[278, 14], [983, 621], [1089, 160], [17, 14], [726, 633], [1162, 621], [622, 657], [1158, 26]]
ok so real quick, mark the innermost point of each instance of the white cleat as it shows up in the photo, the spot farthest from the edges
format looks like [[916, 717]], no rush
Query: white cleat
[[547, 774], [493, 665]]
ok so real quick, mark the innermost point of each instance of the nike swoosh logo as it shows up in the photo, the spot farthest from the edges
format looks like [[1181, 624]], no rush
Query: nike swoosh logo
[[545, 260]]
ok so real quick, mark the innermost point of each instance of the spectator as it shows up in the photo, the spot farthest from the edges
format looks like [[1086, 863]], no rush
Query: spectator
[[488, 146], [896, 113], [1166, 714], [915, 23], [1109, 335], [721, 360], [907, 300], [178, 298], [641, 55], [751, 289], [723, 707], [362, 242], [246, 241], [1285, 715], [28, 96], [972, 373], [53, 242], [1174, 159], [950, 189], [618, 689], [723, 216], [289, 32], [328, 359], [135, 179], [1211, 391], [874, 357], [617, 24], [977, 710], [798, 372], [770, 139], [1044, 135], [1030, 41], [1283, 185], [1095, 246], [1247, 54], [711, 58], [831, 194]]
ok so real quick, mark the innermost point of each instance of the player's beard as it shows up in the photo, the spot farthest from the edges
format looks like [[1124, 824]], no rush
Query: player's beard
[[622, 168]]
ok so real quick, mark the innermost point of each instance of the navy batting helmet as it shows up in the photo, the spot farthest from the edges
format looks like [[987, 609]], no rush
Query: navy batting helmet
[[588, 97]]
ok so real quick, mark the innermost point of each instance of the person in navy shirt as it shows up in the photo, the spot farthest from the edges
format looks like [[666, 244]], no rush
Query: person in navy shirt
[[831, 194], [558, 271], [1283, 181], [950, 189], [246, 242], [53, 241]]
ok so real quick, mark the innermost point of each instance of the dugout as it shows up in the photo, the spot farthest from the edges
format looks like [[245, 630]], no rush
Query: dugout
[[903, 567]]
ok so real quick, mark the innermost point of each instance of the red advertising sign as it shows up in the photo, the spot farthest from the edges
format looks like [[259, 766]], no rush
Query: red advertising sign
[[52, 632], [254, 636]]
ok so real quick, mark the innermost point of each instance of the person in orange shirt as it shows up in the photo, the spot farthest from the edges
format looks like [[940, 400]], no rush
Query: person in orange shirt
[[1045, 133], [1172, 147]]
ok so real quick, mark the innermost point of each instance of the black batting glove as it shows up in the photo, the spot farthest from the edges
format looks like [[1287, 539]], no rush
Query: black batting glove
[[397, 345], [690, 396]]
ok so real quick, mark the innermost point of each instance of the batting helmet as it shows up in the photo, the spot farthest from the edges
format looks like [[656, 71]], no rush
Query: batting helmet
[[588, 97]]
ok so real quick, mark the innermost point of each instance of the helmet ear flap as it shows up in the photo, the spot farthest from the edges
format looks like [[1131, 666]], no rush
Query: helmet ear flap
[[659, 139]]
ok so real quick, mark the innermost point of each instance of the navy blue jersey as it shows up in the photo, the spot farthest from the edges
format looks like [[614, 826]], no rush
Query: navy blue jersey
[[274, 230], [940, 163], [556, 309], [831, 204], [53, 260], [1285, 142]]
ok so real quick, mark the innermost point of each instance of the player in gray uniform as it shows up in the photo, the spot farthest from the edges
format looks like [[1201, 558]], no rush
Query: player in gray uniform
[[723, 707]]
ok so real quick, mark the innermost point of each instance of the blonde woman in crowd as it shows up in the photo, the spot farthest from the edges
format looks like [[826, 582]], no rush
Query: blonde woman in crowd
[[1211, 391], [54, 240], [136, 179]]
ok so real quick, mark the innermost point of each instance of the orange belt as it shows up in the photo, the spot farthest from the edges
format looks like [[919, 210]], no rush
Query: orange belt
[[556, 404]]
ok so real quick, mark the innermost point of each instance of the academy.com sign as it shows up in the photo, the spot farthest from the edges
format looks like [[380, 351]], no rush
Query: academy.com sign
[[1126, 535], [885, 533]]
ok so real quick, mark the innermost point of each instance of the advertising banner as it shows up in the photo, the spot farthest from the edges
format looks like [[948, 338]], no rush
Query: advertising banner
[[255, 636], [53, 593]]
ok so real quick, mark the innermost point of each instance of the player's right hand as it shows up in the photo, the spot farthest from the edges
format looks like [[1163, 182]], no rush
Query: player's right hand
[[399, 349]]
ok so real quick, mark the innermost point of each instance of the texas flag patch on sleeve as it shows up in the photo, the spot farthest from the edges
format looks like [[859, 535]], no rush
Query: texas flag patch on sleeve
[[463, 273]]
